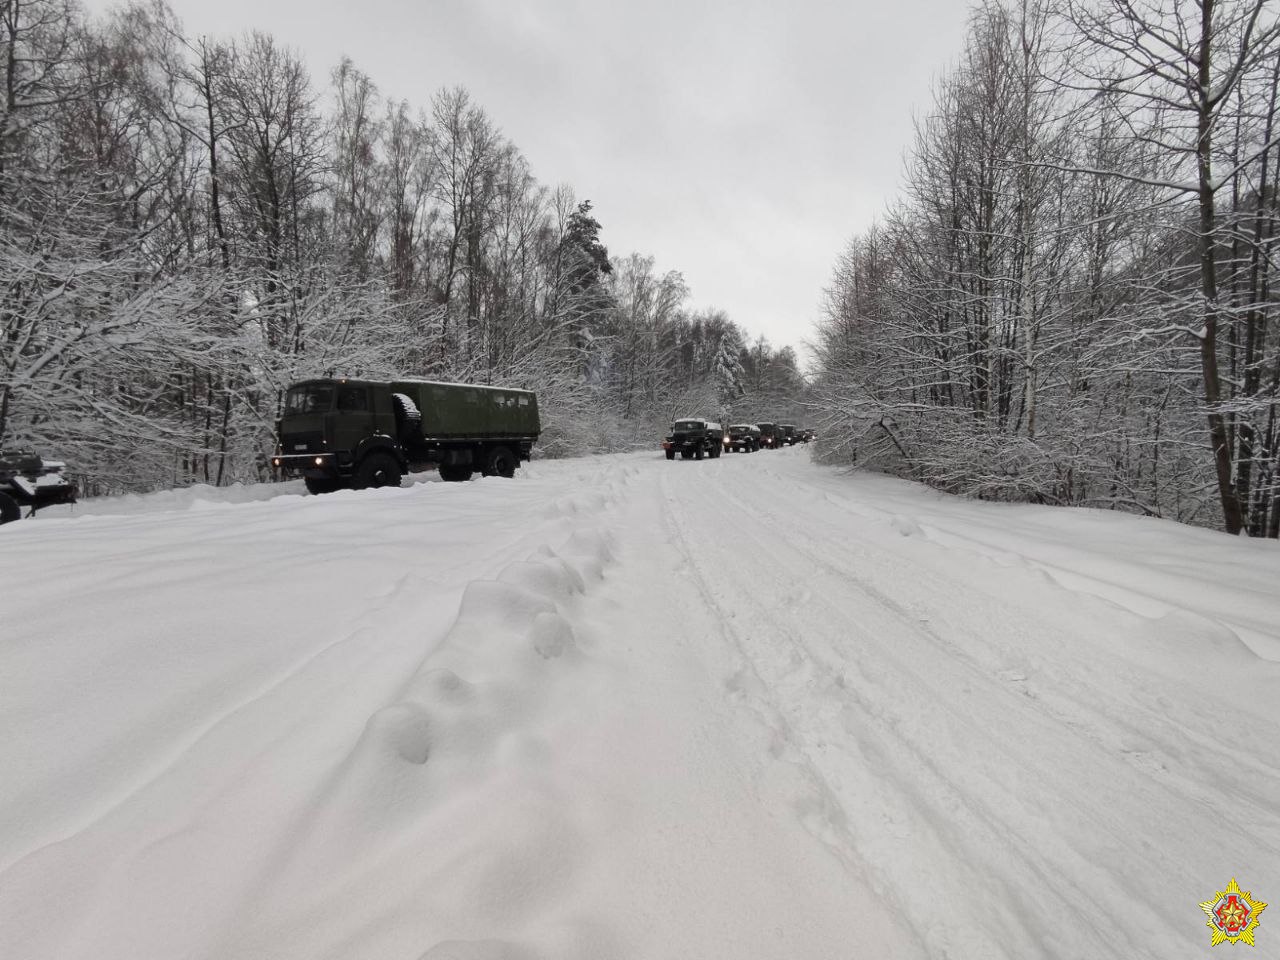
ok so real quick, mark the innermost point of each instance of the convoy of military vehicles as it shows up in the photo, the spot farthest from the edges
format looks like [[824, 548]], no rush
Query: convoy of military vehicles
[[696, 437], [343, 432]]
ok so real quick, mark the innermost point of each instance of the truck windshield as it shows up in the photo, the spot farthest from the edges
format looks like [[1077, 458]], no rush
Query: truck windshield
[[308, 399], [684, 425]]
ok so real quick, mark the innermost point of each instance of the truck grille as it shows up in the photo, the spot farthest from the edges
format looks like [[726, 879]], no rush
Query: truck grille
[[310, 442]]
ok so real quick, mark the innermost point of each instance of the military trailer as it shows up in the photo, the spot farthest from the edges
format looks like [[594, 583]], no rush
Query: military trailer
[[743, 438], [694, 438], [770, 436], [28, 480], [368, 433]]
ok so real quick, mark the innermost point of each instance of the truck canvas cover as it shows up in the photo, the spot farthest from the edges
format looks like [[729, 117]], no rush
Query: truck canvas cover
[[465, 409]]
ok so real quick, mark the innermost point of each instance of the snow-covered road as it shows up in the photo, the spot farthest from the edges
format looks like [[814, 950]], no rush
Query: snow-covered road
[[620, 707]]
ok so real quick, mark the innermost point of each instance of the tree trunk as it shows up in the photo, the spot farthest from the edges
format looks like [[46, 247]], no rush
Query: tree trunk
[[1219, 438]]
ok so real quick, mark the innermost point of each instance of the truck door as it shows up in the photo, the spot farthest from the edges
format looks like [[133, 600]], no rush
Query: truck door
[[356, 419]]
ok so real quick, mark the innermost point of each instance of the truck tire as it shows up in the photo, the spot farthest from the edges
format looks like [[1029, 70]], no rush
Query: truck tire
[[697, 454], [455, 472], [500, 462], [379, 469], [671, 454], [9, 509]]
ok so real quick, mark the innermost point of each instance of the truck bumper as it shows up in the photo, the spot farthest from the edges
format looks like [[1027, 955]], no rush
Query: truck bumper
[[317, 466]]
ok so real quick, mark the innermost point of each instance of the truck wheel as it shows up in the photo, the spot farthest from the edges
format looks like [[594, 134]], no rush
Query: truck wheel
[[378, 470], [501, 462], [697, 454], [671, 454], [455, 472], [9, 509]]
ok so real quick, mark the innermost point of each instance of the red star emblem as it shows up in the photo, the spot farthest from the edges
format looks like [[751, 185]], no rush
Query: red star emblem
[[1232, 914]]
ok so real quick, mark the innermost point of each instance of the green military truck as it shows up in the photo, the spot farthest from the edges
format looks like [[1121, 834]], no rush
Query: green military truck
[[770, 435], [744, 437], [694, 437], [368, 433]]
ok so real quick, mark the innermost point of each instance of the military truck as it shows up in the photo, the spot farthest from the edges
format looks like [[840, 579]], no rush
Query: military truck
[[694, 437], [789, 435], [368, 433], [770, 436], [743, 438], [28, 480]]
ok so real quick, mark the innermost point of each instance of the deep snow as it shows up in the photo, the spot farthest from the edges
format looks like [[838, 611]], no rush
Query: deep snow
[[621, 707]]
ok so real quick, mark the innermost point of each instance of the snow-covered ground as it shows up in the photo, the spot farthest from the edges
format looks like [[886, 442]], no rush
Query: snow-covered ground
[[626, 708]]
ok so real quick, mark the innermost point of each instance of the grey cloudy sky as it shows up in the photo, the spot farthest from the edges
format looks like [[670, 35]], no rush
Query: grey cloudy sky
[[738, 141]]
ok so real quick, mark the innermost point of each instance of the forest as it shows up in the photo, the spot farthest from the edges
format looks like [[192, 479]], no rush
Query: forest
[[188, 224], [1071, 300]]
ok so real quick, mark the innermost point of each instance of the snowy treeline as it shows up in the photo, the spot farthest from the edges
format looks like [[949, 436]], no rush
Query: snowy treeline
[[189, 224], [1072, 300]]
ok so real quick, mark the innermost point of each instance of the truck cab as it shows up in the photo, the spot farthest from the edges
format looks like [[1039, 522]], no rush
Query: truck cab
[[743, 437], [329, 430]]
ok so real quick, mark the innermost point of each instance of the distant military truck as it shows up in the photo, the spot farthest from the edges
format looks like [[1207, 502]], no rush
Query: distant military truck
[[770, 436], [694, 437], [743, 438], [790, 436], [28, 480], [368, 433]]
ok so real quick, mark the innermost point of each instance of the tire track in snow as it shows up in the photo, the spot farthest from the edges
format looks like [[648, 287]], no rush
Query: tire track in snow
[[994, 843], [1113, 721]]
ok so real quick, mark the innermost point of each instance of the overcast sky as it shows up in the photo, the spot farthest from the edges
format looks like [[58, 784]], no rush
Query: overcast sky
[[740, 142]]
